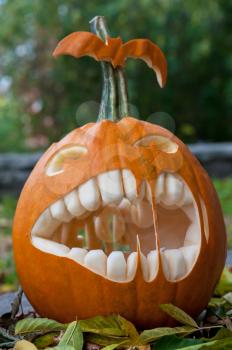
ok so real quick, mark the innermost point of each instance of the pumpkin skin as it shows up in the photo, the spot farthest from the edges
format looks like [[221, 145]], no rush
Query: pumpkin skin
[[62, 289]]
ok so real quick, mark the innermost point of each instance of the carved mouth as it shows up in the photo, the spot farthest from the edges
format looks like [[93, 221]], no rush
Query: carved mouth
[[99, 224]]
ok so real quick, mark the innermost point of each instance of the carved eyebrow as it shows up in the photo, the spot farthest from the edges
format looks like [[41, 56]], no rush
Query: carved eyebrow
[[163, 143], [55, 164]]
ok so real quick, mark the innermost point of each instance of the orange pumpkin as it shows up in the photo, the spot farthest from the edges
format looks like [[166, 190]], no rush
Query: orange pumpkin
[[118, 216]]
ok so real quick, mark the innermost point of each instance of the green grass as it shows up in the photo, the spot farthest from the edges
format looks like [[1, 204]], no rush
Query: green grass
[[224, 190]]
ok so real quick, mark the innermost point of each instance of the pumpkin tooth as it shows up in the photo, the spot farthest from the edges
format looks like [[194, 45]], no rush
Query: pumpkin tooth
[[73, 204], [96, 260], [59, 211], [173, 190], [45, 225], [77, 254], [51, 247], [176, 264], [153, 264], [187, 196], [119, 227], [159, 188], [148, 194], [190, 211], [192, 235], [141, 214], [130, 186], [89, 195], [190, 254], [132, 265], [110, 185], [116, 266], [143, 261], [124, 208], [144, 266], [165, 266]]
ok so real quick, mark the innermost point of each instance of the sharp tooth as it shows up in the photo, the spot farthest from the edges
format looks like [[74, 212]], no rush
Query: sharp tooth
[[159, 188], [176, 263], [59, 211], [110, 184], [190, 254], [192, 235], [144, 265], [89, 195], [141, 214], [173, 190], [152, 260], [96, 260], [77, 254], [116, 266], [50, 247], [73, 204], [45, 225], [132, 265]]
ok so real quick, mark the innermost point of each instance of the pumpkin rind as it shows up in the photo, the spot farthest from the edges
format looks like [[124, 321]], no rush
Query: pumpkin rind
[[61, 289]]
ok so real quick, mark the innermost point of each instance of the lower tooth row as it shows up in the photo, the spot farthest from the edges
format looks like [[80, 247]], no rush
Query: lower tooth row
[[176, 263]]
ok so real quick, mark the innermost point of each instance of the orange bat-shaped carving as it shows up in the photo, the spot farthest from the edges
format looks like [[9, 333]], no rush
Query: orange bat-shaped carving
[[80, 44]]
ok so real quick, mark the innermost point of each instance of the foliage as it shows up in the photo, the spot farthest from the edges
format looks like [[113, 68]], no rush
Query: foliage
[[211, 330], [198, 93]]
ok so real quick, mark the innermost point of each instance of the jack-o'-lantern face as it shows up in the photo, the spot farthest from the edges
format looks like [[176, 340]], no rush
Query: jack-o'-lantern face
[[118, 217]]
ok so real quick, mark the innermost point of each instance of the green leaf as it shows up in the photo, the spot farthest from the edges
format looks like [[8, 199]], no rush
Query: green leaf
[[62, 347], [112, 346], [179, 315], [73, 336], [103, 340], [108, 325], [228, 297], [151, 335], [222, 333], [222, 344], [128, 328], [173, 343], [216, 302], [222, 341], [46, 340], [43, 325]]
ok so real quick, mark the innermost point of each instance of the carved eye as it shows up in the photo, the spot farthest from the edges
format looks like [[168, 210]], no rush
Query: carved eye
[[55, 165], [161, 142]]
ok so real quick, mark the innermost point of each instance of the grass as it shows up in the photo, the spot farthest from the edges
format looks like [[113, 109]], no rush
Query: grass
[[8, 277], [224, 190]]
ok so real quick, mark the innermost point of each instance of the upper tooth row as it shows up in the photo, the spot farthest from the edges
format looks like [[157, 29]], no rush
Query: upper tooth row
[[176, 262], [109, 187]]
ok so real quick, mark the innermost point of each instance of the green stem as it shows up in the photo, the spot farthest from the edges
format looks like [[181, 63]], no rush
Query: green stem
[[114, 101]]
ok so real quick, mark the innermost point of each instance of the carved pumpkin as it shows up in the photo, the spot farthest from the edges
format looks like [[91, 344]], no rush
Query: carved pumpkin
[[118, 216]]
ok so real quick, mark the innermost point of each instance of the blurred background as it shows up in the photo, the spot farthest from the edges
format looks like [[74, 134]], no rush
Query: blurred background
[[41, 99]]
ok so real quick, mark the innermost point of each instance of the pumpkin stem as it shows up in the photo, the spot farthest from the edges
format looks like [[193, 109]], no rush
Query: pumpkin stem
[[114, 101]]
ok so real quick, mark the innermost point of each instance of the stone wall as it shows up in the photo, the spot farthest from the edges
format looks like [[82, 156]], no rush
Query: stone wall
[[15, 168]]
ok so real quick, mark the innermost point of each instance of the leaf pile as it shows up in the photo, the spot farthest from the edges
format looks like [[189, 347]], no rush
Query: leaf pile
[[211, 331]]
